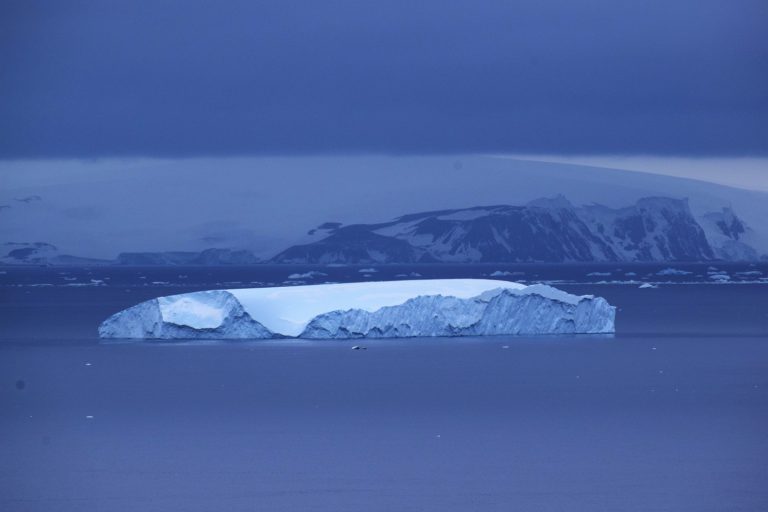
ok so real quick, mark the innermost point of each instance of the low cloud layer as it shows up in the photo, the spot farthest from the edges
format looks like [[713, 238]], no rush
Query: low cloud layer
[[173, 78]]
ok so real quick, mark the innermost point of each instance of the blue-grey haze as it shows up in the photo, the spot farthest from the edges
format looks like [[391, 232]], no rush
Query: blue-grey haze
[[184, 78]]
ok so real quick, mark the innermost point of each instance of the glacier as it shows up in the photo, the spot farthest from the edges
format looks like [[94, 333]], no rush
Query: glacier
[[387, 309]]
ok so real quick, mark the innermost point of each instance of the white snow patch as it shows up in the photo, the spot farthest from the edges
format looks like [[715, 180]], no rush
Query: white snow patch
[[462, 215], [192, 310]]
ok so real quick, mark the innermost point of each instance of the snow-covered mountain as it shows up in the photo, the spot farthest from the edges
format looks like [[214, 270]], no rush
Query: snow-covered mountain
[[550, 230], [207, 257], [544, 230], [41, 253], [263, 205]]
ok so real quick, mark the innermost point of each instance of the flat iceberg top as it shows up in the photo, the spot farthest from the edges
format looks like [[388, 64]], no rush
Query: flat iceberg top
[[288, 310]]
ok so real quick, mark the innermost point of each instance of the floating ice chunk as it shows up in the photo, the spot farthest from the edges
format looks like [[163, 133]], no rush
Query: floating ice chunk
[[673, 272], [647, 285], [506, 273], [440, 307], [307, 275]]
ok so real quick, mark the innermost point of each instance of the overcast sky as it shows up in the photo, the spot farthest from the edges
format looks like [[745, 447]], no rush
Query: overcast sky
[[560, 77]]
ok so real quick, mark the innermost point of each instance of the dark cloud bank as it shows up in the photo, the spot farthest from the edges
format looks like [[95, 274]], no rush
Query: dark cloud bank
[[185, 78]]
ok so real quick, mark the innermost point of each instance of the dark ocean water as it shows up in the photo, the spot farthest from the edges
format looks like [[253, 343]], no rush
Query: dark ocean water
[[670, 414]]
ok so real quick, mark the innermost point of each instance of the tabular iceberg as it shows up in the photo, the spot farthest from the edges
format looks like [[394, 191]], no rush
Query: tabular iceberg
[[439, 307]]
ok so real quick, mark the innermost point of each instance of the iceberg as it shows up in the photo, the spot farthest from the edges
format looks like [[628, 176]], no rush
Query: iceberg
[[411, 308]]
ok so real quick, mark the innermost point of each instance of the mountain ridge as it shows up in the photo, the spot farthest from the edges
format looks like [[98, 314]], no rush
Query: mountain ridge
[[543, 230]]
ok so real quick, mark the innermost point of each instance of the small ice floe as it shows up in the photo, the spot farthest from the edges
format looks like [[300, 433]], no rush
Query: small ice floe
[[505, 346], [367, 270], [182, 276], [70, 278], [719, 276], [412, 274], [89, 417], [630, 274], [598, 274], [160, 283], [749, 273], [648, 285], [506, 273], [358, 347], [88, 364], [673, 272], [307, 275]]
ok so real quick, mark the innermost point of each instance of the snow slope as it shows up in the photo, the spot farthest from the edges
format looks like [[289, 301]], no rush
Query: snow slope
[[102, 208], [545, 230], [440, 307]]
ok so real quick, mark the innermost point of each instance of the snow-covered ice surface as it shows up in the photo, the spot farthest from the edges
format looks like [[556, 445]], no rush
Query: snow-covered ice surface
[[437, 307]]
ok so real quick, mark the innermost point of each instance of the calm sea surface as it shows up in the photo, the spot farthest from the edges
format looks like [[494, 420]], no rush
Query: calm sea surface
[[670, 414]]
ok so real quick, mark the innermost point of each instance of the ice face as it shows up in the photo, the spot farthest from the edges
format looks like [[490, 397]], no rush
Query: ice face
[[200, 315], [441, 307], [507, 312]]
